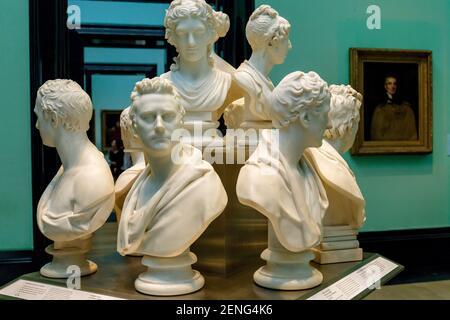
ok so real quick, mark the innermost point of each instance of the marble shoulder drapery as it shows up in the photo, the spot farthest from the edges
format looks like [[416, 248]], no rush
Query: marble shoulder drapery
[[336, 174], [294, 200], [258, 89], [71, 225], [209, 95], [177, 214]]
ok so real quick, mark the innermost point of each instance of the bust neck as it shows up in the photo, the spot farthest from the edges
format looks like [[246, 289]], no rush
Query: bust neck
[[194, 71], [260, 61], [161, 166], [291, 144], [71, 147], [339, 145]]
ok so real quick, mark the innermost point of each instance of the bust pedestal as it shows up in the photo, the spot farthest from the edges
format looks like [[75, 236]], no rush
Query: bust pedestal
[[286, 270], [169, 276], [339, 244], [66, 254]]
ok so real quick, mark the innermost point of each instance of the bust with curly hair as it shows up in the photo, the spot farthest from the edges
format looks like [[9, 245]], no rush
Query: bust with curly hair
[[346, 210], [166, 210], [192, 27], [80, 198], [133, 147], [268, 35], [280, 183]]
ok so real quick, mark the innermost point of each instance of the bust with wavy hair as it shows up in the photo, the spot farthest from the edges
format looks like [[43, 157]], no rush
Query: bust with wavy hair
[[80, 198], [133, 147], [166, 210], [280, 183], [344, 115], [192, 26], [268, 35]]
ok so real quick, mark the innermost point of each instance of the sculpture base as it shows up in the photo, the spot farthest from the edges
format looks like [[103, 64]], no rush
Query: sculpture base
[[339, 245], [338, 256], [169, 276], [287, 271], [69, 254]]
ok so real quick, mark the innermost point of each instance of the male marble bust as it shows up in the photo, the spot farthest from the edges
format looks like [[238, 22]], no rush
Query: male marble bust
[[346, 211], [80, 197], [166, 210], [268, 35], [174, 199], [346, 201], [132, 146]]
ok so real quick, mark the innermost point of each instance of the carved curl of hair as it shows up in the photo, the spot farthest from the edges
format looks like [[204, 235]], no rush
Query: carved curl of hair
[[126, 128], [266, 25], [296, 92], [66, 103], [344, 110], [216, 22], [155, 85]]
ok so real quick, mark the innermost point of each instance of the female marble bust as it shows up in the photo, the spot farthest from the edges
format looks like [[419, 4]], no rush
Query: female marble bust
[[80, 197], [268, 35], [173, 200], [284, 186], [133, 146], [192, 26]]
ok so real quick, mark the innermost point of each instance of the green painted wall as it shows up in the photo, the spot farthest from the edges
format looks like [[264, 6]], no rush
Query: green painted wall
[[16, 230], [446, 66], [402, 192]]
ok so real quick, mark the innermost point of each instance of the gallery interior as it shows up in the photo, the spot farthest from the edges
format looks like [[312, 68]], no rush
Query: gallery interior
[[395, 55]]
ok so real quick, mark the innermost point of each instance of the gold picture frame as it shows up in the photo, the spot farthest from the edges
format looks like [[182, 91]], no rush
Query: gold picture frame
[[396, 114]]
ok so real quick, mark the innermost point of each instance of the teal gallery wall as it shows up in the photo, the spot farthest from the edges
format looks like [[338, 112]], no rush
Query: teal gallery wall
[[402, 192], [16, 229]]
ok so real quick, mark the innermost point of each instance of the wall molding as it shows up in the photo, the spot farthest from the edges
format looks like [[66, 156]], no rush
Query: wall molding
[[13, 257], [411, 248]]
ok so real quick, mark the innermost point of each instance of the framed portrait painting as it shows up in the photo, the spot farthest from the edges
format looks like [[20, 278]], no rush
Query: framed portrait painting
[[396, 115]]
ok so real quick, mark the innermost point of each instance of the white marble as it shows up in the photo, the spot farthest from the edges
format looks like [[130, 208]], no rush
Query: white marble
[[170, 276], [346, 202], [192, 26], [279, 181], [133, 146], [178, 194], [80, 197], [268, 35]]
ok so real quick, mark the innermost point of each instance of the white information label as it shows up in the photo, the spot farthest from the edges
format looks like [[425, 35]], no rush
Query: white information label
[[366, 277], [30, 290]]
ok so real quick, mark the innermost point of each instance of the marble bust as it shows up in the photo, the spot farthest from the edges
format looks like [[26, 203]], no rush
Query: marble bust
[[279, 182], [268, 35], [80, 198], [132, 146], [346, 200], [346, 211], [172, 201], [192, 27]]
